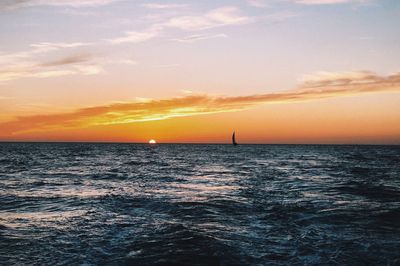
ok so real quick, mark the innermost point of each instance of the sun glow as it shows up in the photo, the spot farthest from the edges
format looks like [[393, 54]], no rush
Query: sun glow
[[152, 141]]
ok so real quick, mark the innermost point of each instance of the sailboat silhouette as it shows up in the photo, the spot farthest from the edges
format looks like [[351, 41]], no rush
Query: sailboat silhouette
[[234, 139]]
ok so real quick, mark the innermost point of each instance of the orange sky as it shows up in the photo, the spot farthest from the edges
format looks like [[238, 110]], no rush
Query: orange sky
[[335, 120]]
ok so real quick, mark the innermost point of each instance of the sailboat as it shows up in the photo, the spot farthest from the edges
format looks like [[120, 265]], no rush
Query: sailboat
[[234, 139]]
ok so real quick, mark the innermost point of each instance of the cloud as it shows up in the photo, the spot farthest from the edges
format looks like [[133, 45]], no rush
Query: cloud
[[163, 6], [320, 79], [25, 63], [79, 58], [167, 65], [74, 64], [37, 49], [40, 73], [325, 2], [50, 74], [264, 3], [223, 16], [78, 12], [258, 3], [126, 62], [87, 69], [199, 37], [280, 16], [136, 36], [24, 73], [16, 4], [50, 46], [317, 86]]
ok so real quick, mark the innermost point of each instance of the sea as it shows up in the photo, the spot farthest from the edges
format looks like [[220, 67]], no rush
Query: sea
[[196, 204]]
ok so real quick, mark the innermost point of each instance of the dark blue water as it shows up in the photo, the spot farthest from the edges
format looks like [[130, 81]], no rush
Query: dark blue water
[[126, 204]]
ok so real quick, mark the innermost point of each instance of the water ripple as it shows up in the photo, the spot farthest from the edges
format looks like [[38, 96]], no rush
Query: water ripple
[[124, 204]]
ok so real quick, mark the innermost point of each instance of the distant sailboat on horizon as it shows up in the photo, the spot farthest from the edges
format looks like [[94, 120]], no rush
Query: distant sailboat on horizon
[[234, 139]]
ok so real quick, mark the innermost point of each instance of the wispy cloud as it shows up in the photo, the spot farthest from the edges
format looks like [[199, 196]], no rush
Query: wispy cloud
[[24, 73], [326, 2], [258, 3], [320, 79], [136, 36], [16, 4], [41, 73], [317, 86], [163, 6], [49, 46], [37, 49], [167, 65], [78, 12], [48, 74], [79, 58], [266, 3], [199, 37], [126, 62], [30, 63], [70, 65], [223, 16]]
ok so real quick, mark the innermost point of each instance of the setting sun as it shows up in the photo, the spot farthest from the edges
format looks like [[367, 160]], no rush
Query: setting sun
[[152, 141]]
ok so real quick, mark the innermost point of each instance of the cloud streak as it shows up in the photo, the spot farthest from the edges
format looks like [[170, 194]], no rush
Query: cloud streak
[[200, 37], [258, 3], [136, 36], [37, 49], [317, 86], [70, 65], [326, 2], [74, 59], [163, 6], [17, 4], [219, 17], [223, 16], [266, 3]]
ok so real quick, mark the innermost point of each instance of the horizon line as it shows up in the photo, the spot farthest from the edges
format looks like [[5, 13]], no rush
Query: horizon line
[[193, 143]]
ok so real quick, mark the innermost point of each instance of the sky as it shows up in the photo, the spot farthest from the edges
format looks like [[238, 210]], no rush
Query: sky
[[274, 71]]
